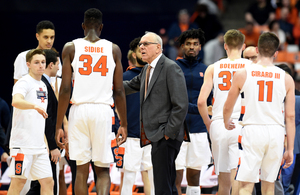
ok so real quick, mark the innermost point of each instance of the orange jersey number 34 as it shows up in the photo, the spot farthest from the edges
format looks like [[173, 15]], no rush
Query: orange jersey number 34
[[100, 66]]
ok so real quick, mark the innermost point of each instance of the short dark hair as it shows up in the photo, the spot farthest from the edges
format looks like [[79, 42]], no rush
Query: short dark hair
[[286, 68], [45, 24], [192, 34], [268, 44], [134, 44], [33, 52], [93, 17], [51, 56]]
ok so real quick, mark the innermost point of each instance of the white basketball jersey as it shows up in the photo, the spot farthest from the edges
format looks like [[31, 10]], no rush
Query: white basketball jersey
[[93, 70], [223, 74], [264, 95]]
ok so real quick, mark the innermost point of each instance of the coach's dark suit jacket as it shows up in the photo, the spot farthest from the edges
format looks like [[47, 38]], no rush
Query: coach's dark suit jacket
[[50, 125], [164, 109]]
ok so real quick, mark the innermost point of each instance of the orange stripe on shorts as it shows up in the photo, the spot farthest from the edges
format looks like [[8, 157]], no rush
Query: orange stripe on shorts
[[243, 109], [113, 120], [113, 143], [19, 157], [240, 139]]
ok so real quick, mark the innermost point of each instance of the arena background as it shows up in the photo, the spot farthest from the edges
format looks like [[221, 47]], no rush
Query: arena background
[[123, 21]]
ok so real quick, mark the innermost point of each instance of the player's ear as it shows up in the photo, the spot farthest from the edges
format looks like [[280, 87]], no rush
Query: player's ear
[[225, 46], [101, 27], [134, 55], [275, 54], [28, 64], [37, 36], [181, 46], [83, 26], [244, 46]]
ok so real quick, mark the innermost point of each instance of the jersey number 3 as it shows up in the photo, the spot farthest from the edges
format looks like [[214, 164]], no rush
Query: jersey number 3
[[100, 66], [226, 75], [261, 90]]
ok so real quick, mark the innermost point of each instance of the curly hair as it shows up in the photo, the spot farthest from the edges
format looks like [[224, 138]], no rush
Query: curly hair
[[134, 44], [192, 34]]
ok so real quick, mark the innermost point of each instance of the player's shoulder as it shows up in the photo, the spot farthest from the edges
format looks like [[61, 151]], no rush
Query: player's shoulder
[[69, 47], [24, 81], [246, 61], [23, 54]]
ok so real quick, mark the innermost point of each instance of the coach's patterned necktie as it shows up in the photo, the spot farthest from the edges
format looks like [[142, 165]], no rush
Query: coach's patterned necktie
[[147, 79], [143, 138]]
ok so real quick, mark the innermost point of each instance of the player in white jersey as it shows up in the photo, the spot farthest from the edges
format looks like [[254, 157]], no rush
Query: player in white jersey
[[97, 78], [27, 146], [269, 106], [218, 77], [45, 34]]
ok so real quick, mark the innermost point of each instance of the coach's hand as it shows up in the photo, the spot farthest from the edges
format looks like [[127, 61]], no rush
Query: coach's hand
[[122, 131]]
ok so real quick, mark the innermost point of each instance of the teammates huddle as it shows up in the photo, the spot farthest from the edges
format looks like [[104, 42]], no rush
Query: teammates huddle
[[249, 99]]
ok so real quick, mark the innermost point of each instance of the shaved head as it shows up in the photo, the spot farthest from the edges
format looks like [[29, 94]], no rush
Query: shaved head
[[250, 53]]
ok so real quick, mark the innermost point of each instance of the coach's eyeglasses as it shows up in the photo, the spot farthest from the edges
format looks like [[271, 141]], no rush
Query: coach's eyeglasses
[[146, 44], [252, 58]]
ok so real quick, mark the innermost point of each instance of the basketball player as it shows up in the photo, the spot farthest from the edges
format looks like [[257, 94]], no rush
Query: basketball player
[[218, 77], [195, 154], [30, 158], [268, 92], [45, 34], [95, 65]]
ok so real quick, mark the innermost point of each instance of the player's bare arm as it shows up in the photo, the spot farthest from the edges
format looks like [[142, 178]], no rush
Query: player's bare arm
[[204, 93], [65, 131], [233, 94], [289, 120], [119, 95], [64, 93], [19, 102]]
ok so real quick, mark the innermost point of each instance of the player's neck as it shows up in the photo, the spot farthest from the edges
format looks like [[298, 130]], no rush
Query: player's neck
[[35, 76], [39, 47], [234, 54], [92, 36], [265, 61], [138, 65]]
